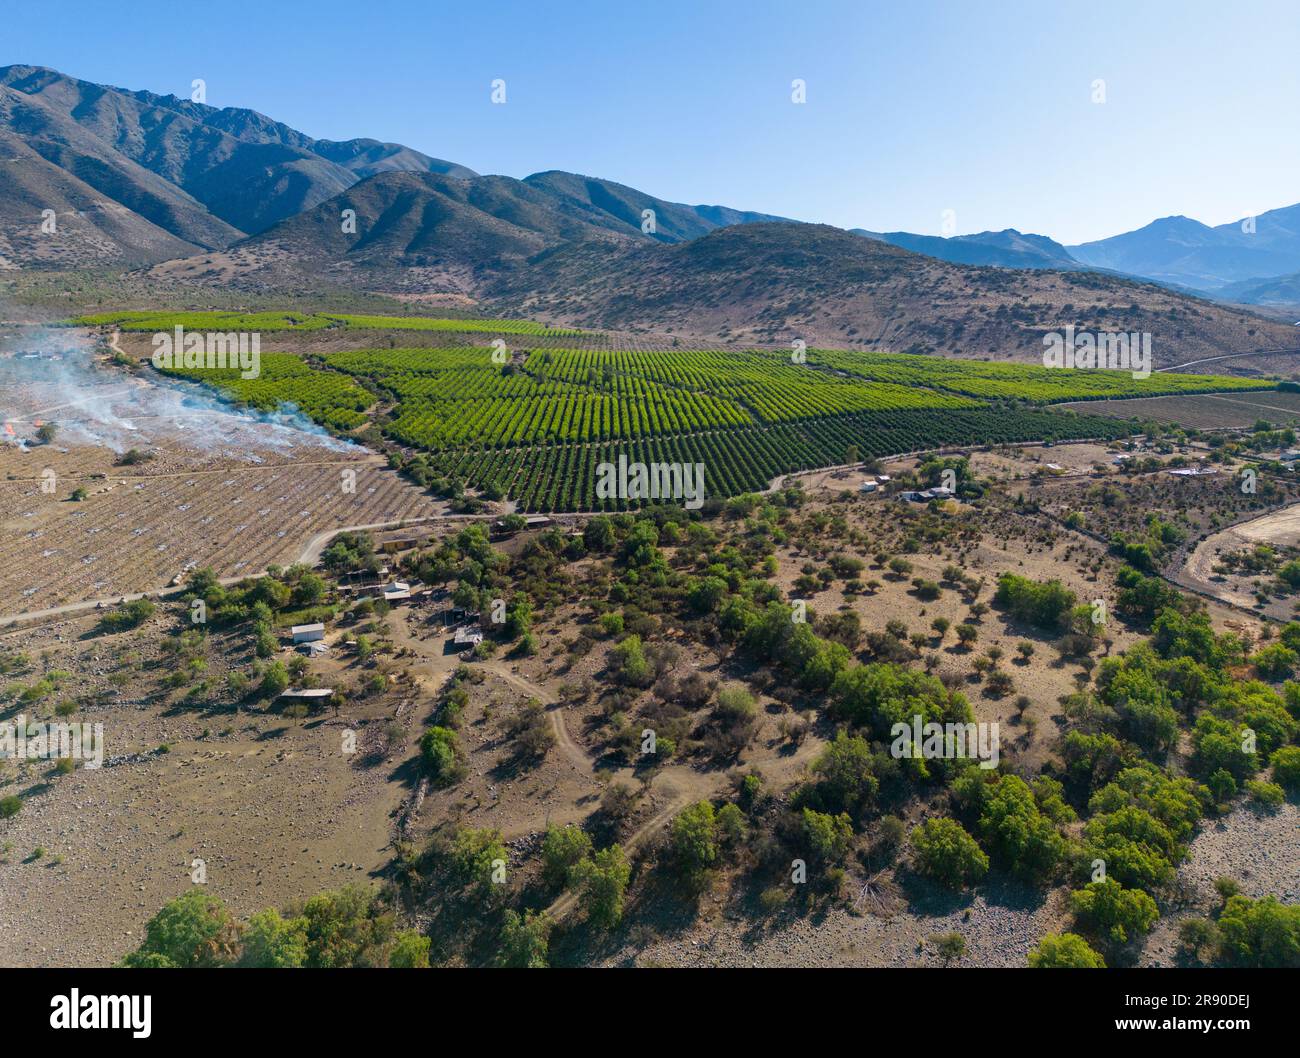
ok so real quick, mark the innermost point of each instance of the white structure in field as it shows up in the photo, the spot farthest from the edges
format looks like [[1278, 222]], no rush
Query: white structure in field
[[469, 636], [308, 633]]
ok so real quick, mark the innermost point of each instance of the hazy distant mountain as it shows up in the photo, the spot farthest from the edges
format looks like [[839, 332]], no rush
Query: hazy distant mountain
[[772, 283], [1185, 251], [1005, 249], [1276, 290], [206, 176]]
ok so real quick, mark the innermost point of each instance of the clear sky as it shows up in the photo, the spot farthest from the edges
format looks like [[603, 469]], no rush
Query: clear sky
[[914, 107]]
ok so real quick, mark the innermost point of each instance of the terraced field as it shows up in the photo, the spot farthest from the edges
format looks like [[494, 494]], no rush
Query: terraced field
[[136, 531]]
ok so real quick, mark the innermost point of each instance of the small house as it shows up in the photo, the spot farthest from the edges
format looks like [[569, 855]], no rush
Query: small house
[[868, 486], [308, 633], [469, 636], [310, 694]]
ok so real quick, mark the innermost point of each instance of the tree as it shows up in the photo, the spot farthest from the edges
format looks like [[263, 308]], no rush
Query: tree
[[1263, 933], [628, 662], [829, 837], [46, 432], [1199, 938], [603, 879], [946, 853], [599, 534], [845, 779], [525, 940], [1017, 833], [309, 590], [270, 941], [440, 751], [1065, 951], [345, 927], [476, 852], [1286, 766], [1112, 911], [128, 615], [694, 836], [274, 679], [410, 951], [1044, 604], [563, 848], [195, 929], [733, 828]]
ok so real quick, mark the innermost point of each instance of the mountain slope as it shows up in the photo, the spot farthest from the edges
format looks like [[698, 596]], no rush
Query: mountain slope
[[246, 171], [773, 283], [673, 221], [125, 212], [452, 228]]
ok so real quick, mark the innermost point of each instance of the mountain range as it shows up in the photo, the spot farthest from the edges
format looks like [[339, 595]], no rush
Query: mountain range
[[1186, 252], [231, 196]]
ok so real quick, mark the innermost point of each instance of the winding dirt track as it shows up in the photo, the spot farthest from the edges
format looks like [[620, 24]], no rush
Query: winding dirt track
[[1279, 527], [674, 786]]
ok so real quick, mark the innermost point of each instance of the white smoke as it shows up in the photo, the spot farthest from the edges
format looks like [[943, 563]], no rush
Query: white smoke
[[55, 375]]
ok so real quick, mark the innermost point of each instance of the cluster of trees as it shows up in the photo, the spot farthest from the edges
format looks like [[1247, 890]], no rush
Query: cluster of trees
[[1044, 604], [570, 861], [127, 616], [343, 928]]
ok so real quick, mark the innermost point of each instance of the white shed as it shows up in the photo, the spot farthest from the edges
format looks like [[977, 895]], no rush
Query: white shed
[[308, 633]]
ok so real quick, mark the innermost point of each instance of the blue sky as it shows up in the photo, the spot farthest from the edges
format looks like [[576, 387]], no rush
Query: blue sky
[[913, 108]]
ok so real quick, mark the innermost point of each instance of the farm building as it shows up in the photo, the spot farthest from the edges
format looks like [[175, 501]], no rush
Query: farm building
[[308, 633], [469, 636], [397, 591], [868, 486], [310, 694]]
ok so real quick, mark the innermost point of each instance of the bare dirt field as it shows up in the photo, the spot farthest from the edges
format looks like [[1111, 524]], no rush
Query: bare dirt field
[[276, 808], [1277, 528], [1204, 411], [140, 527]]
